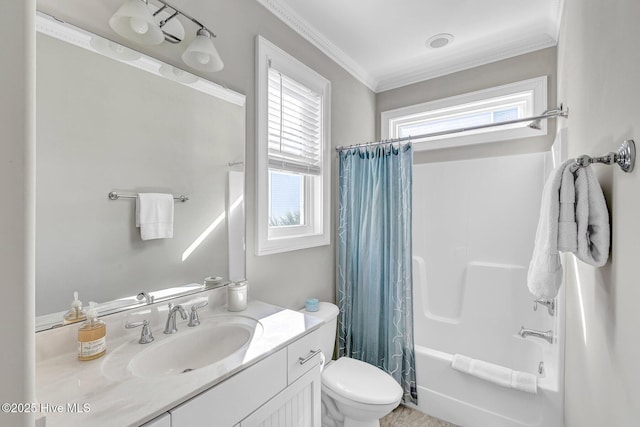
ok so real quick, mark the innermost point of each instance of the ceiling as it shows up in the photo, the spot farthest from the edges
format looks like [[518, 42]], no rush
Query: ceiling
[[383, 43]]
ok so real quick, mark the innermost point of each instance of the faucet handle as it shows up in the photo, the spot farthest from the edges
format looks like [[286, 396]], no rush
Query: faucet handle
[[193, 319], [199, 305], [146, 297], [145, 335], [550, 304]]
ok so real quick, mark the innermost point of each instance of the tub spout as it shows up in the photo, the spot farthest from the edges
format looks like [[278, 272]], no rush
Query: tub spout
[[548, 335]]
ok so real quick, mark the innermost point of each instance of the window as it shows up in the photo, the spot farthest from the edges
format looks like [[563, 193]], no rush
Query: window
[[293, 182], [499, 104]]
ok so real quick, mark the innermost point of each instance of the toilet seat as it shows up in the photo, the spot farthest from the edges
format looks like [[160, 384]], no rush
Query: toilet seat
[[361, 382]]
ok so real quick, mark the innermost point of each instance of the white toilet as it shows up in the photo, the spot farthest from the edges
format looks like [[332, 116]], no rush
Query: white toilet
[[354, 393]]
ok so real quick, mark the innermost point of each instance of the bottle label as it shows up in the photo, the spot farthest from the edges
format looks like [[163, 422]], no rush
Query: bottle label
[[90, 348]]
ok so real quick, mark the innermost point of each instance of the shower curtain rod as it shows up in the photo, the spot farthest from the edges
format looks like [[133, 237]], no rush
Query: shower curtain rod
[[535, 124]]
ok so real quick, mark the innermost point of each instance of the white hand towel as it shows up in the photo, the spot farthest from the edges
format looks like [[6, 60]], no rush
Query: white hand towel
[[496, 374], [545, 269], [154, 215], [573, 218], [567, 227], [592, 218]]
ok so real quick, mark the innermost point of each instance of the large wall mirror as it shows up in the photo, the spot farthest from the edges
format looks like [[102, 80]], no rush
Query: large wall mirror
[[110, 119]]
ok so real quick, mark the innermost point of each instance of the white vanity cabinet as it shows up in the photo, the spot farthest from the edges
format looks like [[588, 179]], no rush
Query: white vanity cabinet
[[273, 380], [280, 390], [298, 405]]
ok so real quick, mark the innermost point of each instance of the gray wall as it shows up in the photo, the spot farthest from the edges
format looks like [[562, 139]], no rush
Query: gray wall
[[598, 63], [535, 64], [285, 279], [104, 125], [17, 211], [289, 278]]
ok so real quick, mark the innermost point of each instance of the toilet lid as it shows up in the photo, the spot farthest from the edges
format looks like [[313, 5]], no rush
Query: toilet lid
[[361, 382]]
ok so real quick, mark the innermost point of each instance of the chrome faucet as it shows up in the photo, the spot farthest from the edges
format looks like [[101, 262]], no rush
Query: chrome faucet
[[170, 327], [193, 318], [146, 297], [145, 336], [548, 335], [550, 304]]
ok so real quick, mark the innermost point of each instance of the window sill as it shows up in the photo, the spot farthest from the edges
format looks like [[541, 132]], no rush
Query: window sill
[[291, 243]]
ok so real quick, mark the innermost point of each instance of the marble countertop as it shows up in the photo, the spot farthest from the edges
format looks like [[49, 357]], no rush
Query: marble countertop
[[74, 393]]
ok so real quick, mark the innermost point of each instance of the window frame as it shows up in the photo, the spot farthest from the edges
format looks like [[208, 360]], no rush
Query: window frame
[[317, 190], [391, 119]]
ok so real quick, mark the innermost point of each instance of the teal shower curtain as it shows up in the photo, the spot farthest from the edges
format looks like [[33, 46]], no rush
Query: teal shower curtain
[[374, 277]]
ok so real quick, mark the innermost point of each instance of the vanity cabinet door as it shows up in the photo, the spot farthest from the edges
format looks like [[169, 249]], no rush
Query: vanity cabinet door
[[232, 400], [296, 406]]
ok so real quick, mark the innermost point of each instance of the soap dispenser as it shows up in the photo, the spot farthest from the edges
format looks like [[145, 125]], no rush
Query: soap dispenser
[[92, 336], [75, 314]]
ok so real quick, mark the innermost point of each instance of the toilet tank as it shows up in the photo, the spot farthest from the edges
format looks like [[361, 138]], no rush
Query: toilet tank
[[329, 314]]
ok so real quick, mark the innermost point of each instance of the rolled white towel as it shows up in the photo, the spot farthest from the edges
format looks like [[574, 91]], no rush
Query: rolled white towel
[[496, 374], [524, 381]]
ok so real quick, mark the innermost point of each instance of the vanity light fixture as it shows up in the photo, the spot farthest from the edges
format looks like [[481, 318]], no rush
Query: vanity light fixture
[[202, 54], [136, 21]]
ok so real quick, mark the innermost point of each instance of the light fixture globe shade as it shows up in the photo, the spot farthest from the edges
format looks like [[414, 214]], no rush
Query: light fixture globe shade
[[202, 55], [135, 22]]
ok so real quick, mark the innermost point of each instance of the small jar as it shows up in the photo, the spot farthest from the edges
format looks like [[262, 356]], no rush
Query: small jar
[[312, 304], [237, 296]]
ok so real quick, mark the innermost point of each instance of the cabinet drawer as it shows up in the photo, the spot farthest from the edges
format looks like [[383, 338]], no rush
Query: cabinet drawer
[[233, 399], [303, 355]]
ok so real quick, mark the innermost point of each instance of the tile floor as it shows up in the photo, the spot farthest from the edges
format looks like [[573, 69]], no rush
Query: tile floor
[[407, 417]]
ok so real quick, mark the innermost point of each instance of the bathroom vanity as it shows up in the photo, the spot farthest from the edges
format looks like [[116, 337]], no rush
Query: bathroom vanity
[[257, 367]]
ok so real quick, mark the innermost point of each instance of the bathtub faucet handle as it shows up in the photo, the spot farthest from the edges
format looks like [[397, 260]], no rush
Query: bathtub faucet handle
[[550, 304]]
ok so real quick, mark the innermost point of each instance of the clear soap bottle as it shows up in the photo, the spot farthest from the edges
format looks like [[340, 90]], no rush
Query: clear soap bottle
[[92, 336], [75, 314]]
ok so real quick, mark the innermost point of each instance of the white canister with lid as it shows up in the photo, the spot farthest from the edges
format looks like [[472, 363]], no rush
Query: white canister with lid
[[237, 296]]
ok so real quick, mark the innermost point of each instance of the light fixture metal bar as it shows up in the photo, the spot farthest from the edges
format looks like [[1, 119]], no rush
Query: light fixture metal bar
[[164, 21], [192, 19], [164, 6]]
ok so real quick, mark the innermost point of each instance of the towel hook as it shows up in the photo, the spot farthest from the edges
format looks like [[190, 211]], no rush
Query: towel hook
[[625, 157]]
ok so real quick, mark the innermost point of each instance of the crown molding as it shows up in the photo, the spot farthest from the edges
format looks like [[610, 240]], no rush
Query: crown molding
[[308, 32], [418, 72], [558, 18]]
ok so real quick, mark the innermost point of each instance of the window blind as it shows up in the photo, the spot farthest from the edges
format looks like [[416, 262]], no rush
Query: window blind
[[295, 126]]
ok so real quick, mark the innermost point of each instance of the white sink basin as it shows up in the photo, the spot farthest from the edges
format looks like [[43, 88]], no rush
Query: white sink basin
[[215, 340]]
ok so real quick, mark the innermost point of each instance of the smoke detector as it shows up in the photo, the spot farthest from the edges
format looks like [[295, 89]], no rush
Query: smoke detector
[[439, 40]]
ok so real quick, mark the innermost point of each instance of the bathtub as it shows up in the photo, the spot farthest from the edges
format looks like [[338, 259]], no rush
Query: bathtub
[[472, 240]]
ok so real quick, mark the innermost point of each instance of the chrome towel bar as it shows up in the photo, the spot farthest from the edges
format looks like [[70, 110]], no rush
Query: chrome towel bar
[[115, 196]]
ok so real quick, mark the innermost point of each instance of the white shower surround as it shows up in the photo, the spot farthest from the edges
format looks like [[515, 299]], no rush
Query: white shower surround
[[474, 223]]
